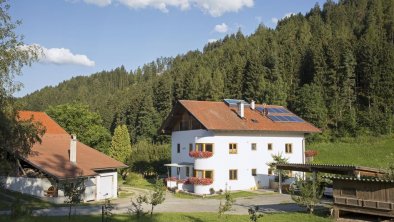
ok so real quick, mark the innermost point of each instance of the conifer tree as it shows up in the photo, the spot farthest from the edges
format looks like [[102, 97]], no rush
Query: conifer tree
[[120, 146]]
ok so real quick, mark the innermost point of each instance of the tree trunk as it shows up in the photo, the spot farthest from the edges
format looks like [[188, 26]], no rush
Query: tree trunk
[[151, 212]]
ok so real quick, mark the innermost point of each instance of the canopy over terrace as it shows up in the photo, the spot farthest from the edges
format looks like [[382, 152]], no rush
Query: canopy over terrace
[[178, 167], [349, 170]]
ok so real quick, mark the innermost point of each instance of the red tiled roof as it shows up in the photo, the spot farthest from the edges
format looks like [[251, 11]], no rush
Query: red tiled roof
[[221, 117], [52, 155]]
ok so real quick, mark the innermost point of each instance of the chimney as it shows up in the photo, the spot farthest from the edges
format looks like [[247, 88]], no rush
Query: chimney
[[73, 149], [252, 104], [241, 109]]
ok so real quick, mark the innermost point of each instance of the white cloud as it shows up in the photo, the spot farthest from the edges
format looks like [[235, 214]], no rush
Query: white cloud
[[162, 5], [100, 3], [287, 15], [274, 20], [212, 40], [221, 28], [64, 56], [218, 7], [213, 7]]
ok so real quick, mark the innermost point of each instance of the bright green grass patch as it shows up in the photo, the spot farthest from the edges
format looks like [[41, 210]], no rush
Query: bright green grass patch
[[363, 151], [182, 217], [137, 180], [236, 194]]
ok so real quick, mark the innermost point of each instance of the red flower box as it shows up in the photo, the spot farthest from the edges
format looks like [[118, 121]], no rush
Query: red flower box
[[200, 154], [170, 179], [200, 181], [184, 181], [310, 153]]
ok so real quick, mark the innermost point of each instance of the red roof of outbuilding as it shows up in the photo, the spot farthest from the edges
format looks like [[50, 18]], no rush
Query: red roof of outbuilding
[[221, 117], [52, 155]]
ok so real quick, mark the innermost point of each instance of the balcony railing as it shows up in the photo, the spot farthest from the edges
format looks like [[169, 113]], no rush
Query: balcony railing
[[200, 154]]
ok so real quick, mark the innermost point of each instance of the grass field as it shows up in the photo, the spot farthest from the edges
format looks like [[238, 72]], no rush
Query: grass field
[[235, 194], [7, 197], [364, 151], [182, 217]]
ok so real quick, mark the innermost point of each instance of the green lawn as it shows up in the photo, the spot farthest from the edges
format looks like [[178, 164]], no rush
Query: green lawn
[[235, 194], [364, 151], [7, 197], [137, 180], [183, 217]]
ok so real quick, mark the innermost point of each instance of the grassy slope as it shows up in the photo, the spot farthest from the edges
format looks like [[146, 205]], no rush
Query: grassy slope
[[185, 217], [365, 151]]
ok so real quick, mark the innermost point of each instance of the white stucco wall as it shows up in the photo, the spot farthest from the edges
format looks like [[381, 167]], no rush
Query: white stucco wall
[[244, 161], [31, 186]]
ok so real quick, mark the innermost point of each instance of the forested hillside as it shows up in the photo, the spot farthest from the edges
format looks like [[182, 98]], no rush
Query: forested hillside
[[333, 66]]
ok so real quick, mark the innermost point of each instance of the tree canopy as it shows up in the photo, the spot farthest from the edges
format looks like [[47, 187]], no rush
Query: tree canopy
[[16, 136], [76, 118], [120, 145]]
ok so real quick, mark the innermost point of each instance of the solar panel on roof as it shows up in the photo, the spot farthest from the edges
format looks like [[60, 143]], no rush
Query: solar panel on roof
[[260, 109], [293, 119], [234, 102]]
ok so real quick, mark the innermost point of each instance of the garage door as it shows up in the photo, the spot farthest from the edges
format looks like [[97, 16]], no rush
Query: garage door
[[106, 185]]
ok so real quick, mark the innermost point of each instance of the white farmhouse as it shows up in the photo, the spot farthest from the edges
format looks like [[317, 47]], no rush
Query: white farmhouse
[[58, 159], [219, 145]]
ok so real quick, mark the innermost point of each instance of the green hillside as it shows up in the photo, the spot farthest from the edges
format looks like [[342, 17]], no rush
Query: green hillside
[[333, 66], [367, 151]]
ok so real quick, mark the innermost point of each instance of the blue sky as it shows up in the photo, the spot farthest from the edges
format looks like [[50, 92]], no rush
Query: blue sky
[[81, 37]]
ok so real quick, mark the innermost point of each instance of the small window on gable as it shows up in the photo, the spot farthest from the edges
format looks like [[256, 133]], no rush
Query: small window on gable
[[254, 172], [178, 148], [254, 146], [270, 171], [288, 148], [190, 147], [269, 147]]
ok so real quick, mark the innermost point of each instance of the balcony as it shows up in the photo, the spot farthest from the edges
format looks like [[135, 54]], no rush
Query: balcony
[[200, 154], [200, 181]]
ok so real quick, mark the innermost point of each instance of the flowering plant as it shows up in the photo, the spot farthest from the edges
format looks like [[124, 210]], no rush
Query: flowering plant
[[184, 181], [200, 181], [200, 154], [310, 153], [170, 179]]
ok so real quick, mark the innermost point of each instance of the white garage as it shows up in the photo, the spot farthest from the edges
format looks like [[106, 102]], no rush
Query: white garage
[[106, 185]]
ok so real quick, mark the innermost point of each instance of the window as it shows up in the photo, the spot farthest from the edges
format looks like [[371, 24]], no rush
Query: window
[[269, 147], [203, 174], [204, 147], [233, 174], [208, 174], [190, 147], [178, 148], [270, 172], [254, 172], [254, 146], [187, 172], [232, 148], [288, 148]]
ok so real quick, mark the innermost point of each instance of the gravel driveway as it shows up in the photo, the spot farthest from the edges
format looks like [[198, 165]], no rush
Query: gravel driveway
[[266, 202]]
